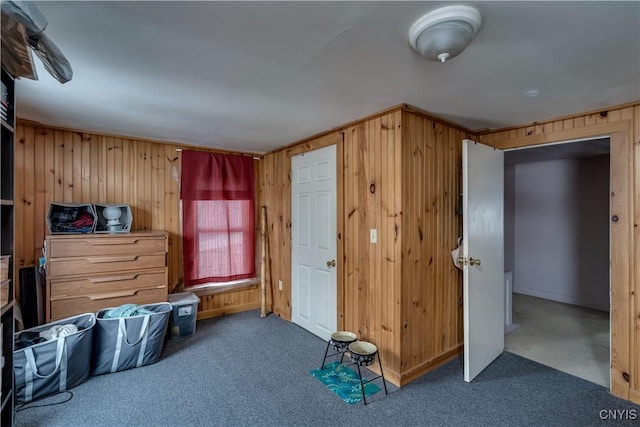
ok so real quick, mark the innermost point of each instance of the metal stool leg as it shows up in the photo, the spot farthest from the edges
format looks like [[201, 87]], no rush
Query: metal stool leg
[[384, 383], [364, 399], [324, 359]]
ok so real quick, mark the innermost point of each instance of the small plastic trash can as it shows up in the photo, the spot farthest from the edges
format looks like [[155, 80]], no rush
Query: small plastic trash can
[[185, 311]]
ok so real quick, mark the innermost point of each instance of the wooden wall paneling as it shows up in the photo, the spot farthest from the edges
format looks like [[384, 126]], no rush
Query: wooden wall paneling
[[397, 325], [109, 171], [41, 202], [350, 232], [55, 165], [385, 236], [622, 125], [390, 257], [371, 295], [364, 258], [635, 288], [372, 305], [219, 304], [431, 317], [84, 148], [67, 165], [145, 189], [411, 225], [283, 220], [27, 200], [58, 165], [620, 260], [93, 147], [20, 164], [172, 216], [277, 193], [266, 169], [76, 165]]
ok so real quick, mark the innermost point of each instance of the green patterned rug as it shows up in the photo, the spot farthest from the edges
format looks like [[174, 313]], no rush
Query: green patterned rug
[[344, 382]]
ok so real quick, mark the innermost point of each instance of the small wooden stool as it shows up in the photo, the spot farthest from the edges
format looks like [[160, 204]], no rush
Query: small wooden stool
[[364, 354], [340, 341]]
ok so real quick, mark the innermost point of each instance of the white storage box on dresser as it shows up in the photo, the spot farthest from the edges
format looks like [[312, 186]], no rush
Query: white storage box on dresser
[[86, 273]]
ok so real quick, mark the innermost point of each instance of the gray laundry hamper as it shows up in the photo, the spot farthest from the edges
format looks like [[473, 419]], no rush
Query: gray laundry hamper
[[57, 365], [129, 342]]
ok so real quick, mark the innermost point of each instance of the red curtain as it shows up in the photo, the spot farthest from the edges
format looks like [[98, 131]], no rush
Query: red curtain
[[217, 192]]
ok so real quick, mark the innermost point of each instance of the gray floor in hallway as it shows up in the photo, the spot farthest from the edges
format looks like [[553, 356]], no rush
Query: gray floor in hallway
[[565, 337]]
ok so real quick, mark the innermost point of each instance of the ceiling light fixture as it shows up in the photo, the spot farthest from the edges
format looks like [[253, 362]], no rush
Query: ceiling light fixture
[[444, 33]]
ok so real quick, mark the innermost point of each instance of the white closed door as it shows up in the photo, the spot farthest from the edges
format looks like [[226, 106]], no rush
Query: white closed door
[[313, 246], [483, 255]]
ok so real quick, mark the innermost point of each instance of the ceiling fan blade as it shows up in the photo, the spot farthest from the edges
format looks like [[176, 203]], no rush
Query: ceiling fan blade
[[26, 13], [53, 59], [29, 16], [17, 57]]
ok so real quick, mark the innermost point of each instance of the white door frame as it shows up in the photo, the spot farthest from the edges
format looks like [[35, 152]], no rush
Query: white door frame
[[578, 140]]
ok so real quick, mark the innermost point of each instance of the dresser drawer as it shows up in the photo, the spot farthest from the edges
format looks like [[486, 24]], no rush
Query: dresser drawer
[[103, 264], [90, 246], [91, 303], [115, 284]]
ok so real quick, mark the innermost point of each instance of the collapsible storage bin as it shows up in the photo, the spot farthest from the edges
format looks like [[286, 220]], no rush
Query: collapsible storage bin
[[119, 224], [71, 218], [129, 342], [56, 365]]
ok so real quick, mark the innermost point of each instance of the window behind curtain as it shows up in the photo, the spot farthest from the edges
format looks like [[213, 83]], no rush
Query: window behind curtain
[[217, 191]]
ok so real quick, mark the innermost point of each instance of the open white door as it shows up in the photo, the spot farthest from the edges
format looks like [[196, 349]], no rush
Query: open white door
[[314, 295], [483, 255]]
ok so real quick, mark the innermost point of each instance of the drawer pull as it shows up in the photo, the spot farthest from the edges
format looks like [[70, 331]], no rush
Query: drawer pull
[[107, 242], [128, 293], [111, 278], [112, 259]]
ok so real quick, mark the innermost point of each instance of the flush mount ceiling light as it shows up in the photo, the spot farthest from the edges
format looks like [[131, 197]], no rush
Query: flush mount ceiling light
[[443, 33]]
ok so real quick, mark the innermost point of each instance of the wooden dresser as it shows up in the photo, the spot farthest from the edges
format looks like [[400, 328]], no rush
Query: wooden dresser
[[89, 272]]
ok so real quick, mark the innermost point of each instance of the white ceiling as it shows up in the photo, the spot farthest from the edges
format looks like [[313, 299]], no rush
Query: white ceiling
[[255, 76]]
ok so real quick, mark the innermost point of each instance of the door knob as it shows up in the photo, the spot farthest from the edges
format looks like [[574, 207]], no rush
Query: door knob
[[473, 261], [331, 263]]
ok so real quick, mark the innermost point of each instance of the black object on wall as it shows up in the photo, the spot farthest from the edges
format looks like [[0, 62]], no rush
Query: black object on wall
[[31, 297]]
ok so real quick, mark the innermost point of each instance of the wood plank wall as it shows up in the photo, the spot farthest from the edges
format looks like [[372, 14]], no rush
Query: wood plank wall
[[623, 123], [432, 329], [372, 200], [275, 194], [403, 293], [275, 191], [55, 165]]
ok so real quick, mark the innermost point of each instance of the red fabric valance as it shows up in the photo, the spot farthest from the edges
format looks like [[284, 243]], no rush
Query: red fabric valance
[[214, 176]]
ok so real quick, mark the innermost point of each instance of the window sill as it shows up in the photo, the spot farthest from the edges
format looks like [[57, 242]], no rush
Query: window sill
[[222, 287]]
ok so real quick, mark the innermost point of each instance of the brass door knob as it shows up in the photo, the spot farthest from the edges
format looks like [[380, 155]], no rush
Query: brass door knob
[[474, 261], [331, 263]]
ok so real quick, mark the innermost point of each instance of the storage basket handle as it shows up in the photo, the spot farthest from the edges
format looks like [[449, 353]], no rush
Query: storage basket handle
[[122, 336], [31, 368], [143, 330]]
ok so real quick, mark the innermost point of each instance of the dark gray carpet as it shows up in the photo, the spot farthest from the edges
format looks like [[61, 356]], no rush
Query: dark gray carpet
[[245, 370]]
